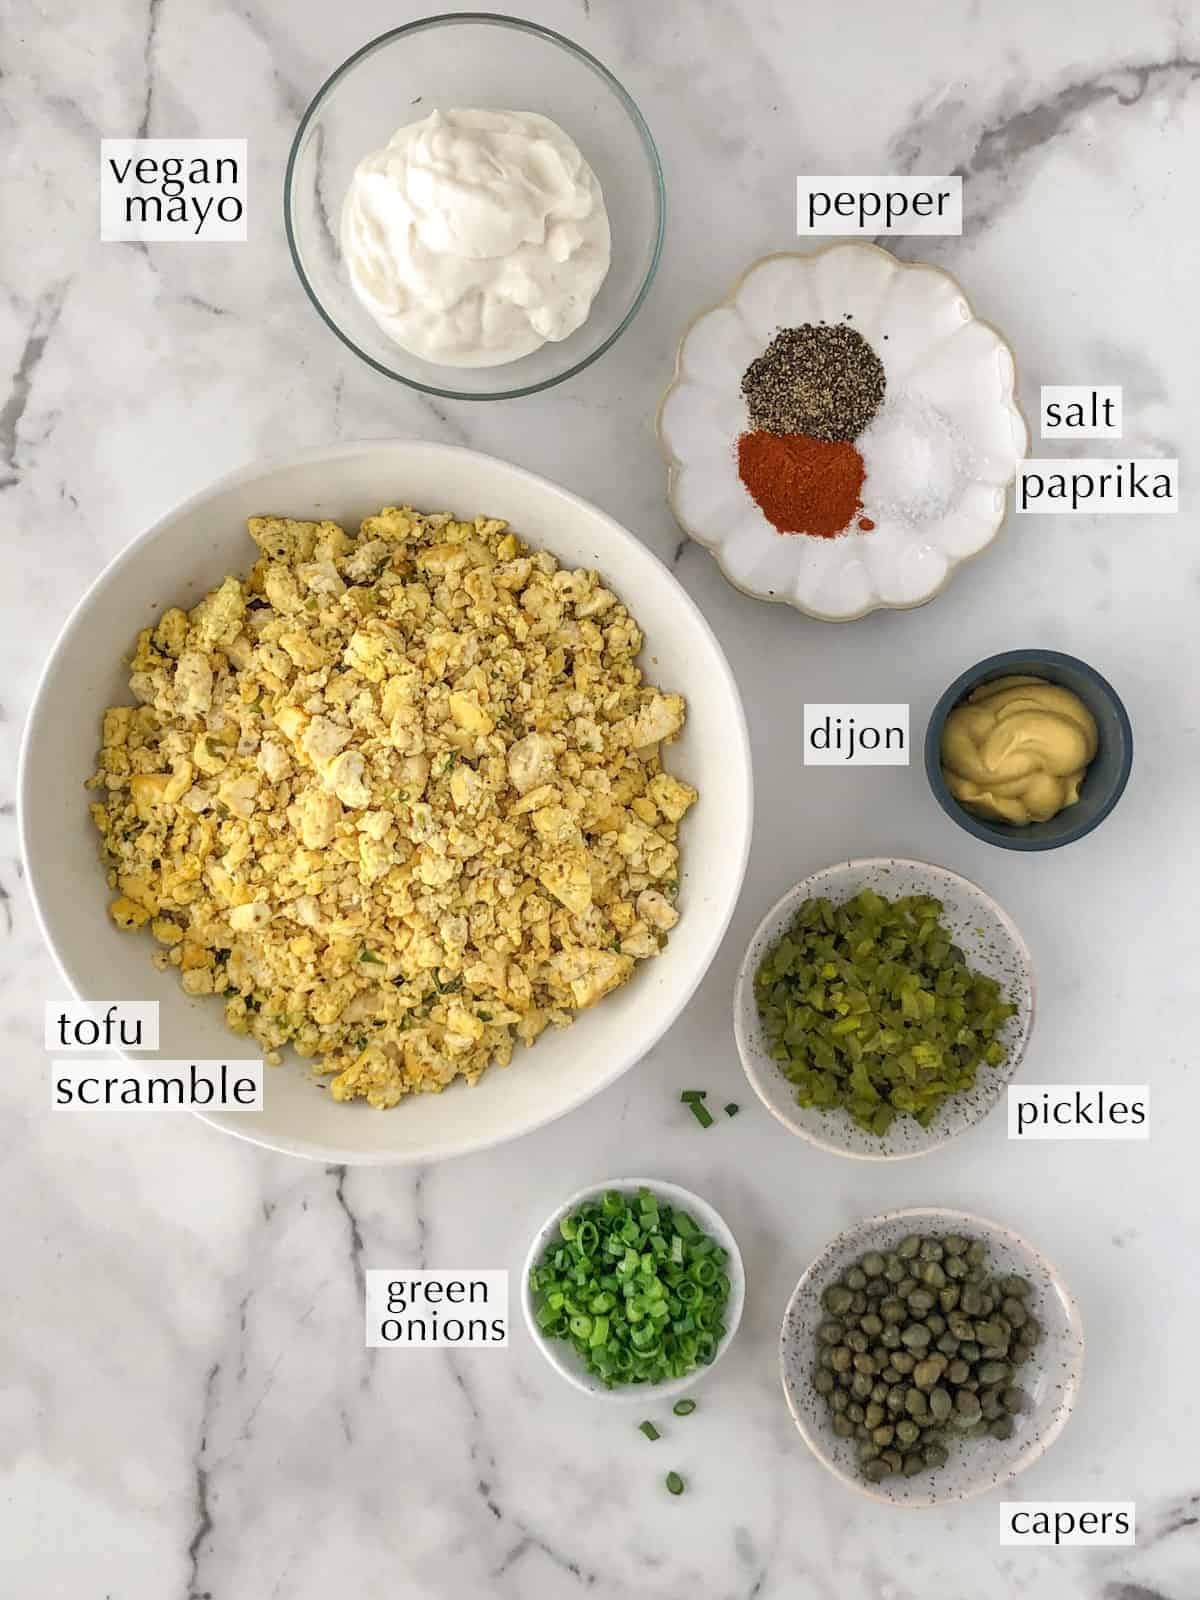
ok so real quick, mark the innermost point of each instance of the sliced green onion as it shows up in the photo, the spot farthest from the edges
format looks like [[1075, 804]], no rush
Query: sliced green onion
[[701, 1113], [635, 1287], [649, 1430], [684, 1408], [732, 1109], [674, 1483]]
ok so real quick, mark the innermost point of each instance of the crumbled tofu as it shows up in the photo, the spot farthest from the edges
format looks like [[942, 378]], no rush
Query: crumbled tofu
[[397, 801]]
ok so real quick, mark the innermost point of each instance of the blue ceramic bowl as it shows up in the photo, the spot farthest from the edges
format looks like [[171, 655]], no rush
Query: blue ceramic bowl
[[1104, 781]]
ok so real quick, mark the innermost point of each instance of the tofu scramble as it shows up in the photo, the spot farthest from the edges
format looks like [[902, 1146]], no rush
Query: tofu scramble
[[397, 799]]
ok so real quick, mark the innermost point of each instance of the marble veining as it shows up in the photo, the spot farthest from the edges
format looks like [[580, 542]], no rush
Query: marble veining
[[186, 1406]]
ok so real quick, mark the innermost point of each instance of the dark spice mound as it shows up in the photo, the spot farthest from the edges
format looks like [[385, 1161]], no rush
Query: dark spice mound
[[822, 380]]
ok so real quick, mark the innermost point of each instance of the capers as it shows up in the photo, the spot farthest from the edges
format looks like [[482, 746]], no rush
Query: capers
[[919, 1339], [927, 1373], [915, 1403], [940, 1404], [837, 1300]]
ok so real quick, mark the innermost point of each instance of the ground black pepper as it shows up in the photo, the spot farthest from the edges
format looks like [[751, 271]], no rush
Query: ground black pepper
[[825, 381]]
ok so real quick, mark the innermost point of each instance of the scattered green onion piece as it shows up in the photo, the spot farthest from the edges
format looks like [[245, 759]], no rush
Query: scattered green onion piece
[[732, 1109], [702, 1115], [684, 1408], [674, 1483], [691, 1095], [649, 1430]]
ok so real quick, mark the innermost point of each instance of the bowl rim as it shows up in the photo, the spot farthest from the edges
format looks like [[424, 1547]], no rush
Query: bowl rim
[[745, 979], [519, 25], [311, 1149], [674, 465], [713, 1222], [1003, 835], [1072, 1382]]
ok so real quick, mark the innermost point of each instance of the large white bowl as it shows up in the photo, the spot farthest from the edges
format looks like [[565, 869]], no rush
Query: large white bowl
[[175, 563]]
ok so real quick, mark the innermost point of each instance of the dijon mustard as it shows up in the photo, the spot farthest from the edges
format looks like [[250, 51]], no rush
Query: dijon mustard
[[1017, 748]]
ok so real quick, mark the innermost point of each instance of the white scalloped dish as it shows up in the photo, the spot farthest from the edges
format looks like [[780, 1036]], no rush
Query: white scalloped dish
[[937, 355]]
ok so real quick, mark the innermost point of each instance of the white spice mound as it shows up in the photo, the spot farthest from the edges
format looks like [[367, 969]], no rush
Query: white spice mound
[[916, 460]]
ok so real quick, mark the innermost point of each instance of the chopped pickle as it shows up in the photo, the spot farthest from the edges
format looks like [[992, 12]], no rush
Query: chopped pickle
[[870, 1007]]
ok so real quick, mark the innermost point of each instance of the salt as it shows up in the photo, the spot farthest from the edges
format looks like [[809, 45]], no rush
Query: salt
[[916, 460]]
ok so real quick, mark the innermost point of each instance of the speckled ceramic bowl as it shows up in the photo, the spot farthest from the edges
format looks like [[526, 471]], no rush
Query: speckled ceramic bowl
[[562, 1356], [992, 945], [936, 353], [1050, 1379]]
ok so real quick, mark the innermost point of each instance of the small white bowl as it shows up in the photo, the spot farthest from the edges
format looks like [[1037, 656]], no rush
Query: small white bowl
[[992, 945], [933, 347], [1051, 1379], [562, 1356]]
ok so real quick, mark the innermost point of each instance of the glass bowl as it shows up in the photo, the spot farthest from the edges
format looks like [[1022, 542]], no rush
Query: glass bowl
[[473, 59], [1104, 781]]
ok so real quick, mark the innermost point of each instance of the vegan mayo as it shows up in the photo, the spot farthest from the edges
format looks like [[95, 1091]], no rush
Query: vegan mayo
[[1017, 748], [476, 236]]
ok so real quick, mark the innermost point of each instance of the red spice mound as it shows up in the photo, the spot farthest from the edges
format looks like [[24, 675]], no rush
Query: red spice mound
[[802, 485]]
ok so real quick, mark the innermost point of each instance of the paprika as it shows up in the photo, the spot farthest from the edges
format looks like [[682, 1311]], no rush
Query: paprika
[[801, 484]]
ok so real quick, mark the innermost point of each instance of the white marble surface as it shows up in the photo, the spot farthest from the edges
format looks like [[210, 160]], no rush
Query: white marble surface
[[185, 1405]]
